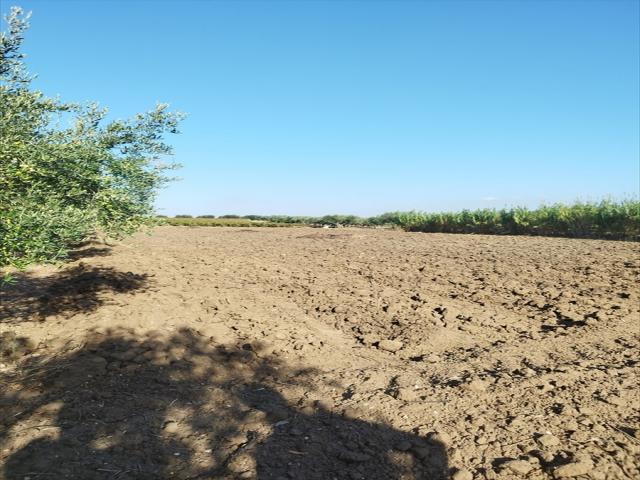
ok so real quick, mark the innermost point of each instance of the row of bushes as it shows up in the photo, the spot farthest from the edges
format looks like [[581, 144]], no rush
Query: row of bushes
[[188, 221], [304, 220], [207, 216], [604, 219]]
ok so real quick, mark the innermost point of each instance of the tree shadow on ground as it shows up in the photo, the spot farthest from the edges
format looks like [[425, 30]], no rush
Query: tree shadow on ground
[[88, 250], [184, 406], [69, 291]]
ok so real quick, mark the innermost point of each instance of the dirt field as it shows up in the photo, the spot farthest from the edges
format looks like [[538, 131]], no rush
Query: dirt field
[[324, 354]]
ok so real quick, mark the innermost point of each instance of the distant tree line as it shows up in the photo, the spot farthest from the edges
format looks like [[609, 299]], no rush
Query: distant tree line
[[604, 219]]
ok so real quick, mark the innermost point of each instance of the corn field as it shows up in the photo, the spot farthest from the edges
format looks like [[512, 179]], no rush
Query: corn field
[[605, 219]]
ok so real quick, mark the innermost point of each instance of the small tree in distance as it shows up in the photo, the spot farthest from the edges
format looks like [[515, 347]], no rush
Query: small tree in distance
[[60, 186]]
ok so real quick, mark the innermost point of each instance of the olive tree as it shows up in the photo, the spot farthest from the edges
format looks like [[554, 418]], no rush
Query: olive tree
[[60, 185]]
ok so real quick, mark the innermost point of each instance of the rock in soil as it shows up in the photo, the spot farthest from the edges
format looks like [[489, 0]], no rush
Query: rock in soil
[[573, 469], [390, 345]]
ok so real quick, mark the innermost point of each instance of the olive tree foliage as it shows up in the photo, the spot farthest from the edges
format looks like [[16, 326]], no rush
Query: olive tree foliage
[[66, 174]]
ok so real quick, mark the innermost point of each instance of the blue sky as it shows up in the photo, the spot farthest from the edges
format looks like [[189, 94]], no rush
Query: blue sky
[[363, 107]]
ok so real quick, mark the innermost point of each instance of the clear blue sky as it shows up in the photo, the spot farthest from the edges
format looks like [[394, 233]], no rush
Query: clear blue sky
[[363, 107]]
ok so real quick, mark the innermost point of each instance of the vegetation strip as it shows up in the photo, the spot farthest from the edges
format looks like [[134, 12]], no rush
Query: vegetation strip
[[606, 219]]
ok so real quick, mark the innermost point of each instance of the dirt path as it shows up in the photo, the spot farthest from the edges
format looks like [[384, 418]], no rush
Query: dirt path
[[320, 354]]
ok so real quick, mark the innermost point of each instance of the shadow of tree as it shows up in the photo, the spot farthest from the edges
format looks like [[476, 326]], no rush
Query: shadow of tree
[[184, 406], [88, 251], [72, 290]]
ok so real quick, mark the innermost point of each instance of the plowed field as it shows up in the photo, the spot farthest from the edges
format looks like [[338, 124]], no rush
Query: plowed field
[[299, 353]]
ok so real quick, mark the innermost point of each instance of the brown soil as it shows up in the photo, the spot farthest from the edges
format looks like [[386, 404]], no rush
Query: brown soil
[[314, 354]]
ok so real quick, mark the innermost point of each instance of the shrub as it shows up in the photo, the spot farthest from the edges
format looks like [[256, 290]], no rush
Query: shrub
[[59, 186]]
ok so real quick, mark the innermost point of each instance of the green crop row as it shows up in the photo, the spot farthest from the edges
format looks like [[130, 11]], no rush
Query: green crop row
[[605, 219]]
